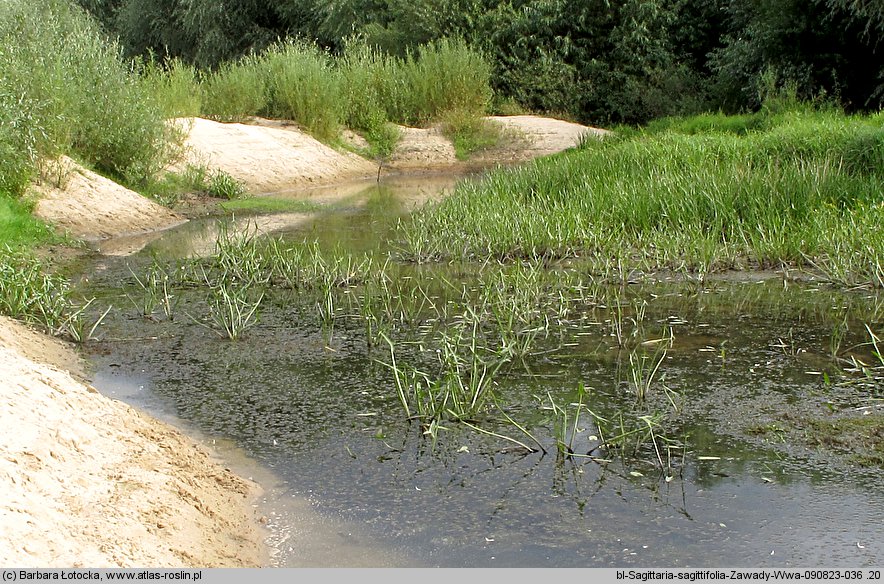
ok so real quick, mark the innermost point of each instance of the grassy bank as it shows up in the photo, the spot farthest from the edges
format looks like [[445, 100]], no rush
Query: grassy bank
[[801, 188]]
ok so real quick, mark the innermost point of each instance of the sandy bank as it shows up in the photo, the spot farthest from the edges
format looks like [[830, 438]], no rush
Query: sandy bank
[[269, 155], [89, 206], [88, 481], [272, 156]]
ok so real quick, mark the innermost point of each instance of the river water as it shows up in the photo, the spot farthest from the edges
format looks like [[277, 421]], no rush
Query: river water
[[314, 417]]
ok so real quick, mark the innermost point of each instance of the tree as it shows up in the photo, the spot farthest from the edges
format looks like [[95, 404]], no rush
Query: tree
[[814, 45]]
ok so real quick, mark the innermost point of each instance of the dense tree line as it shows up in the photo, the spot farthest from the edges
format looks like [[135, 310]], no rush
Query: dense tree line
[[597, 60]]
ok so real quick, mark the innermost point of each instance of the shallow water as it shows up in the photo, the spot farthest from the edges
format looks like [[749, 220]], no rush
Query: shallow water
[[319, 412]]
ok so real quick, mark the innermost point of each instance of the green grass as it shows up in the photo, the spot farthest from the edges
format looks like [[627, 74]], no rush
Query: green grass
[[30, 292], [364, 75], [18, 228], [806, 192], [469, 132], [305, 86], [169, 188]]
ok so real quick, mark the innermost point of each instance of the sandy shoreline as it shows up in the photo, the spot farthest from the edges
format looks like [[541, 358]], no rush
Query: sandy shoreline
[[90, 482]]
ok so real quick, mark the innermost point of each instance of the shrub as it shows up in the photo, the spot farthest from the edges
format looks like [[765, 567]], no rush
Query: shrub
[[363, 78], [304, 86], [235, 91], [80, 99], [174, 85], [442, 76]]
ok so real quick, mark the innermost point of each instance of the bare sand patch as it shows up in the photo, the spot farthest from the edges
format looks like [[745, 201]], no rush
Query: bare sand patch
[[89, 206], [90, 482], [269, 155], [536, 136]]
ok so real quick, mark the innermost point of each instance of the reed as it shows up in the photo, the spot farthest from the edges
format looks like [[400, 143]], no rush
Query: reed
[[800, 192]]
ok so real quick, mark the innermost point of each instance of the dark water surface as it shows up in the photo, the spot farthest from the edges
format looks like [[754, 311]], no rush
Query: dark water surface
[[321, 413]]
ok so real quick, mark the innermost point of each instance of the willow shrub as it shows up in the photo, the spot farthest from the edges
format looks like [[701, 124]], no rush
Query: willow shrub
[[304, 85], [67, 90], [235, 91]]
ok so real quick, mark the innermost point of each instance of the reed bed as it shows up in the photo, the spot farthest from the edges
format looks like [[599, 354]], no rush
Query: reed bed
[[805, 192], [363, 89]]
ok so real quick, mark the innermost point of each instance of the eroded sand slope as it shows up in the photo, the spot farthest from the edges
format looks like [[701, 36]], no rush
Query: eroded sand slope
[[88, 481]]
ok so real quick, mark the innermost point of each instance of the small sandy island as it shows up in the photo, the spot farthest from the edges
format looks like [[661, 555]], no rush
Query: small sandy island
[[89, 482]]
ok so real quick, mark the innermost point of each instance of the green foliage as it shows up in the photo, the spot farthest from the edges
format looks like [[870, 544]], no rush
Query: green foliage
[[18, 227], [81, 99], [819, 49], [594, 60], [363, 89], [224, 186], [202, 32], [236, 91], [443, 76], [174, 85], [20, 136], [806, 190], [469, 132], [305, 86], [31, 293], [364, 75], [708, 123]]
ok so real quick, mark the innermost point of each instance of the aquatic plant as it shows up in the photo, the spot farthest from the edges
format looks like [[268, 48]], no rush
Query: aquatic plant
[[222, 185], [565, 429], [30, 292], [461, 388], [233, 308], [796, 193], [154, 290]]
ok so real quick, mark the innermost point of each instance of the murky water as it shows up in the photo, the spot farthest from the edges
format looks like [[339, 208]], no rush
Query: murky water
[[319, 412]]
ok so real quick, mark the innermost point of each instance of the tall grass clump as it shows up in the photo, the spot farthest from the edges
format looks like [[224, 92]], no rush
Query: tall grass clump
[[364, 79], [67, 90], [363, 89], [440, 76], [175, 86], [798, 192], [304, 86], [235, 91]]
